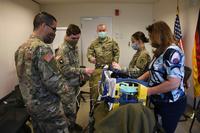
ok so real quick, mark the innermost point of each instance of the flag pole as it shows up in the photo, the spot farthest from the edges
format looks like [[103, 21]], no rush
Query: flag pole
[[178, 40], [177, 7]]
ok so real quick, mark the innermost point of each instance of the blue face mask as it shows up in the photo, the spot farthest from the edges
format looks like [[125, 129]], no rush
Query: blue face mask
[[135, 46], [102, 35]]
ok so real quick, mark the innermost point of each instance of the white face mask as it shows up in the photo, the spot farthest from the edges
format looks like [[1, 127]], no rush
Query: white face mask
[[135, 46]]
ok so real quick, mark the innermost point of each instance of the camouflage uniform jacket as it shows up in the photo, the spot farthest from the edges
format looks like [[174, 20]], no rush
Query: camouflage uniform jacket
[[40, 82], [105, 51], [68, 62], [139, 63]]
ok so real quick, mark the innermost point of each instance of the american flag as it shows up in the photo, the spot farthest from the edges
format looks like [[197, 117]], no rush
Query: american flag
[[177, 31]]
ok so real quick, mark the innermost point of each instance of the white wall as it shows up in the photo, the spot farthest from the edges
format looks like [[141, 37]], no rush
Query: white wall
[[16, 26], [188, 13], [133, 17]]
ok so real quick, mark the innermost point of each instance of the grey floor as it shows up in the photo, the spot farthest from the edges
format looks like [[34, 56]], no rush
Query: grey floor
[[183, 127]]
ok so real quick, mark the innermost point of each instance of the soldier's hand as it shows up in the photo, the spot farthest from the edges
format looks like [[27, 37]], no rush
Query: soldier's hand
[[66, 88], [93, 60], [116, 65], [88, 71]]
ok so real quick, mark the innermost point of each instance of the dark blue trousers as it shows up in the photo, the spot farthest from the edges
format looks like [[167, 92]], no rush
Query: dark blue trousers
[[170, 113]]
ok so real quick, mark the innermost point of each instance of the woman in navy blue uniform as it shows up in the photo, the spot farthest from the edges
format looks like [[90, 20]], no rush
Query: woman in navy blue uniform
[[165, 76]]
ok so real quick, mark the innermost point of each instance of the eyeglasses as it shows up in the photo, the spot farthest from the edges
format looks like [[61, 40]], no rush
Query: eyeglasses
[[53, 28]]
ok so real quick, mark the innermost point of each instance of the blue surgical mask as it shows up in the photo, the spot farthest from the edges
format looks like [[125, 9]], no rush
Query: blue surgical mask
[[135, 46], [102, 34]]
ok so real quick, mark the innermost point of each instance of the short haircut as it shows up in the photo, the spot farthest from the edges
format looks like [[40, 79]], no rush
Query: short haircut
[[43, 17], [73, 29], [101, 25]]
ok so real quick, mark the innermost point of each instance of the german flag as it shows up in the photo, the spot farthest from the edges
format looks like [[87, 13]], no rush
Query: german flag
[[196, 60]]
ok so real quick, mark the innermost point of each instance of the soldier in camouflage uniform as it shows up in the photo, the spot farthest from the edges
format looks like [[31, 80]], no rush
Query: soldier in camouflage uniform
[[68, 61], [141, 60], [103, 51], [40, 82]]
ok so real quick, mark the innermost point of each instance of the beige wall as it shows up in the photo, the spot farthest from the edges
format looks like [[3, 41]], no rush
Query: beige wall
[[166, 10], [16, 26], [17, 16], [133, 17]]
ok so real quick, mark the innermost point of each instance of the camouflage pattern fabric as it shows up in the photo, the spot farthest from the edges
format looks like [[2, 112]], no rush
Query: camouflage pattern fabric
[[41, 85], [94, 83], [139, 63], [105, 51], [68, 62]]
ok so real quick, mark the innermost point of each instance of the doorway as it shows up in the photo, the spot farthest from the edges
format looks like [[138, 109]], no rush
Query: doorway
[[59, 38]]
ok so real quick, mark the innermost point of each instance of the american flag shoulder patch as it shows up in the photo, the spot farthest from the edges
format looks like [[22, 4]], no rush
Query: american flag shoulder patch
[[48, 57]]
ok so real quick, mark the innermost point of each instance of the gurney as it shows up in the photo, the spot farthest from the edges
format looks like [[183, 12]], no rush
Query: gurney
[[120, 107], [119, 90]]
